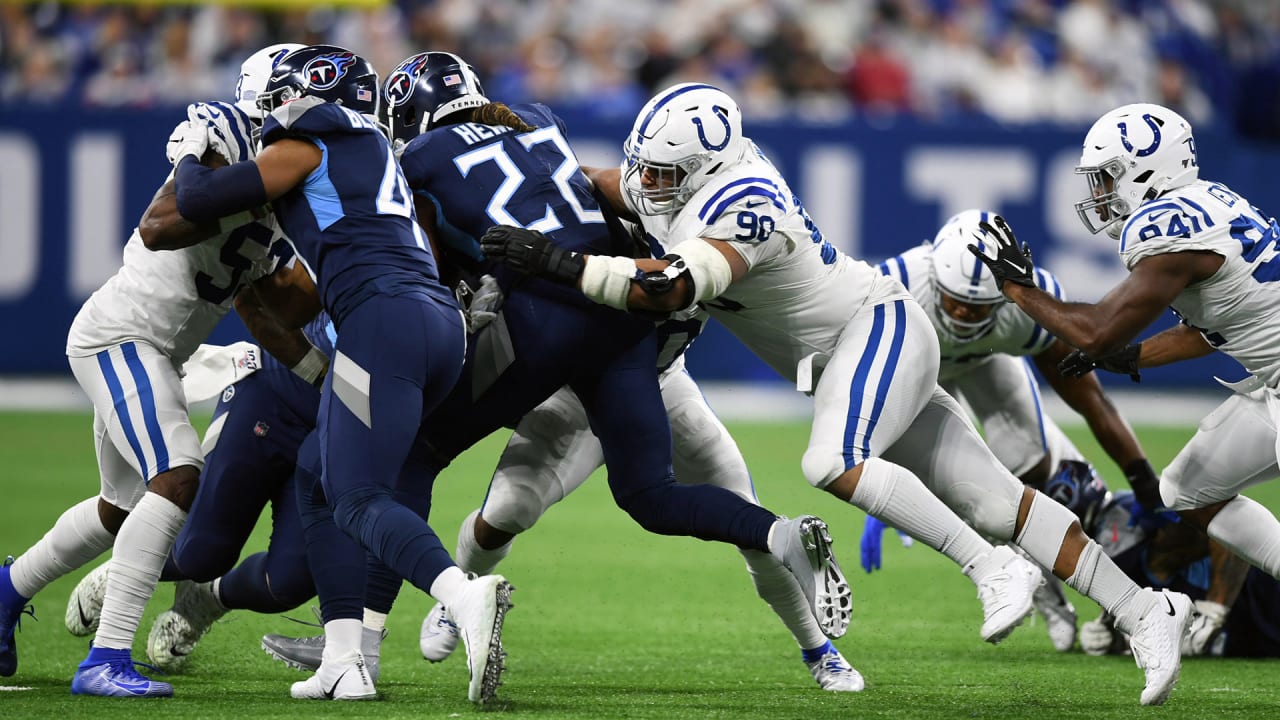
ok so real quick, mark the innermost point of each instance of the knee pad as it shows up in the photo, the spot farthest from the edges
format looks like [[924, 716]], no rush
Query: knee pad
[[821, 465]]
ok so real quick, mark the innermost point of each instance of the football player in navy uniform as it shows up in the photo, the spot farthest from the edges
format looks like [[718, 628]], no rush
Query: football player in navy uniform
[[335, 186]]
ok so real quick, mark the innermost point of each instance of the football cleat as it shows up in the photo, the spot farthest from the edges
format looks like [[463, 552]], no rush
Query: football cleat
[[110, 673], [1059, 616], [12, 607], [306, 653], [343, 678], [177, 630], [439, 636], [479, 613], [84, 608], [1006, 583], [1156, 643], [833, 672], [803, 546]]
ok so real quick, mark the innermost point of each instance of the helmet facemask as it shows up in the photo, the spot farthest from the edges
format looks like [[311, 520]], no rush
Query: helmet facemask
[[1104, 209], [668, 189]]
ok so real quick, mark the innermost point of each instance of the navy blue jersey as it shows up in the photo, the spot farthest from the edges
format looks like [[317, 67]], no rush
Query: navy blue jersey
[[352, 220], [479, 176]]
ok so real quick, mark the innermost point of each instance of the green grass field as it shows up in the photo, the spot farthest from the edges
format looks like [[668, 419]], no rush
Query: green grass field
[[611, 622]]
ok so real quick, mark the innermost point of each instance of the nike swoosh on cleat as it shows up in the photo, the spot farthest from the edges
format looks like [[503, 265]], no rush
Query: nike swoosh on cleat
[[330, 691], [84, 621], [1169, 602]]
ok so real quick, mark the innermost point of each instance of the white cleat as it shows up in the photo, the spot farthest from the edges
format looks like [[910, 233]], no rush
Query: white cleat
[[803, 546], [834, 673], [343, 678], [1059, 617], [439, 636], [84, 608], [1156, 643], [479, 612], [1006, 583], [177, 630]]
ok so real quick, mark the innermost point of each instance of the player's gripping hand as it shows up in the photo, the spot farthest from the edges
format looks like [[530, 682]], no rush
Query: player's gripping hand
[[229, 128], [531, 253], [481, 305], [1123, 362], [1097, 637], [1206, 625], [1008, 259], [872, 534], [188, 138]]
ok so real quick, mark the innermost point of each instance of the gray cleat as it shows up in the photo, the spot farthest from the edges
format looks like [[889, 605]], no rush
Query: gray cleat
[[803, 546]]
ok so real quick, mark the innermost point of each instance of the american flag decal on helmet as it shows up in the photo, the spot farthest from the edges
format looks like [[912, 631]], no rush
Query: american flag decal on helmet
[[451, 80], [364, 94]]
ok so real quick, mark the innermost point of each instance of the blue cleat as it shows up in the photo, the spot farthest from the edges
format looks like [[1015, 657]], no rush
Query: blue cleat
[[12, 607], [110, 673]]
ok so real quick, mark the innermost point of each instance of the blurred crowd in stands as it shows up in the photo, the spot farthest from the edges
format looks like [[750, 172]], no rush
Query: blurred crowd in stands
[[1009, 61]]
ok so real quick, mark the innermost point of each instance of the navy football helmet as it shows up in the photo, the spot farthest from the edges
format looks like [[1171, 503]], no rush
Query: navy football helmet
[[425, 88], [1077, 486], [327, 72]]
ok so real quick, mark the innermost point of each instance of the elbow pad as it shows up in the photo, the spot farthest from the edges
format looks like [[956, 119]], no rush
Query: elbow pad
[[205, 195], [707, 269]]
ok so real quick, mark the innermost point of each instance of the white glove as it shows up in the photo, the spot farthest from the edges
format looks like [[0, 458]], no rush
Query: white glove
[[229, 129], [485, 304], [1205, 625], [188, 138], [1097, 636]]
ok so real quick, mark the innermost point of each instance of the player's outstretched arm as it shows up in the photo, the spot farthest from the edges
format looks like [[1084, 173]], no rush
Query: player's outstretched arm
[[1084, 394], [205, 194], [162, 227]]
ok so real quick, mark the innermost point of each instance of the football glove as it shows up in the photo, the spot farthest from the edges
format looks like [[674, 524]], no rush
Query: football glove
[[531, 253], [1008, 259], [1124, 362], [1206, 625], [872, 533], [1097, 637], [480, 305], [188, 138]]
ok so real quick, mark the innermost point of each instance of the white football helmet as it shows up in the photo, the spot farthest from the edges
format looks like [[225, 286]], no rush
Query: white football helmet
[[960, 275], [1131, 155], [254, 73], [682, 137]]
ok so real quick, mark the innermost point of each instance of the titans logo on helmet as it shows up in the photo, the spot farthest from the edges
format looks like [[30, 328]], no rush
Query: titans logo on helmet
[[325, 71], [400, 84]]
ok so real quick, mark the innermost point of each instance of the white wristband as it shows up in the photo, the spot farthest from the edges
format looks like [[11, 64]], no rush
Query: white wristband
[[311, 365], [607, 280]]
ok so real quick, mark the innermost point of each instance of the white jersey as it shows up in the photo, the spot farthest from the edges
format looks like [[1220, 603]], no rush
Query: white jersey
[[1013, 332], [172, 299], [1235, 308], [799, 292]]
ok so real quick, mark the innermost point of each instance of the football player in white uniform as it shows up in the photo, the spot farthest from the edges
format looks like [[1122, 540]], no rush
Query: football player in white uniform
[[986, 345], [1198, 247], [739, 242], [125, 348]]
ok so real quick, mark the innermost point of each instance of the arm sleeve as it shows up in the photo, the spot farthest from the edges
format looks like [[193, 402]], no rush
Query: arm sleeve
[[205, 194]]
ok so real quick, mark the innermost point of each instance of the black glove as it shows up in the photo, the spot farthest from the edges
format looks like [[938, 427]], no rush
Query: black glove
[[1146, 485], [1008, 259], [531, 253], [1124, 362]]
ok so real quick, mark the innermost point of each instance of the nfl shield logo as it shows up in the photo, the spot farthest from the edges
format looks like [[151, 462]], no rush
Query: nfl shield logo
[[451, 80], [261, 429]]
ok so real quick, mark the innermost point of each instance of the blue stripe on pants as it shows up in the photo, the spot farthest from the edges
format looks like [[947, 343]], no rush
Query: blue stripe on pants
[[859, 388], [886, 376], [122, 408], [147, 399], [1035, 395]]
